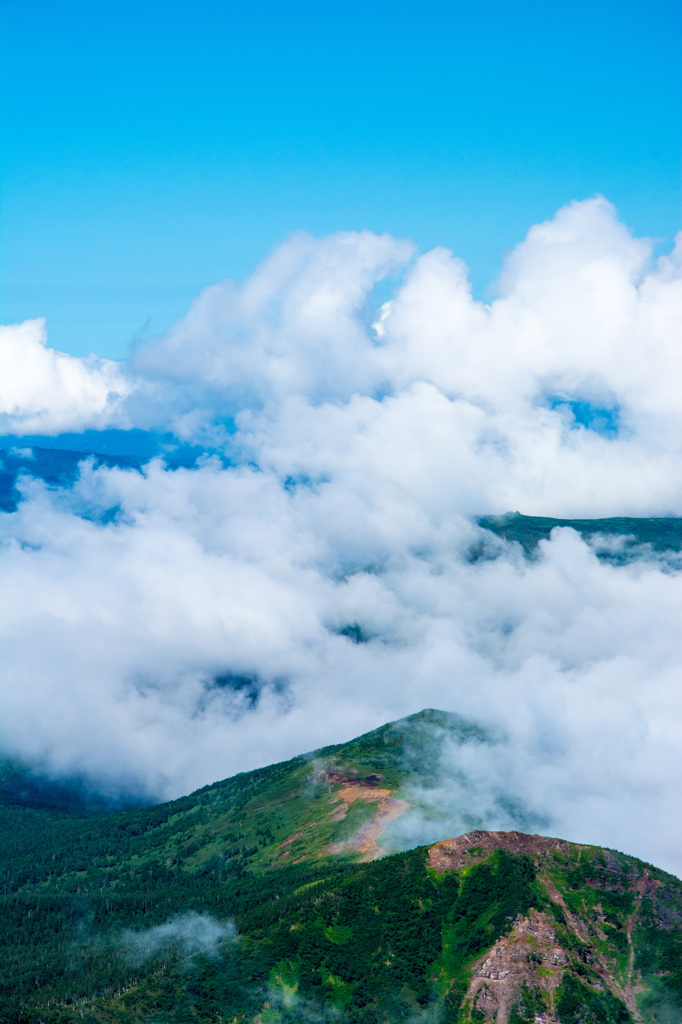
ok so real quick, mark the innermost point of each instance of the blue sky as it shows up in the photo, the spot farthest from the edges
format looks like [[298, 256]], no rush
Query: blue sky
[[152, 148]]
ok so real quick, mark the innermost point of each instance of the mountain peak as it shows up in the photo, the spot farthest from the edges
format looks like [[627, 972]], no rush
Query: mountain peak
[[268, 898]]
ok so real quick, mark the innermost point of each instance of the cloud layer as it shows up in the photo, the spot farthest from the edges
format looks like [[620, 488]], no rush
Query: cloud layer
[[167, 628]]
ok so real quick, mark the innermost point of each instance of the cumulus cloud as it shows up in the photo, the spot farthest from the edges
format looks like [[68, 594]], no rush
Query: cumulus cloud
[[48, 392], [162, 629], [585, 333]]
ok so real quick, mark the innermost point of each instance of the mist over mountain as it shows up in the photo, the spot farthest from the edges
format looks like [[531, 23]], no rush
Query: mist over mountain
[[317, 566]]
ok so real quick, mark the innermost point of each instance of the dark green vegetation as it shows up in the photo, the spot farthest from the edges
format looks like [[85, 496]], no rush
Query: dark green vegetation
[[615, 540], [250, 901]]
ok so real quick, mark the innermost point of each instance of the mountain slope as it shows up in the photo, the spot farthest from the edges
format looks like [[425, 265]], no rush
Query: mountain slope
[[617, 539], [337, 800], [264, 898]]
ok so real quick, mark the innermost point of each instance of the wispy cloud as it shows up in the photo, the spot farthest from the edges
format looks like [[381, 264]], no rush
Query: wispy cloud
[[190, 932]]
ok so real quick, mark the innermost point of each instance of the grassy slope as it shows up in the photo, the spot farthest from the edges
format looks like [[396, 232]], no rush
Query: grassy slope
[[319, 935], [246, 818]]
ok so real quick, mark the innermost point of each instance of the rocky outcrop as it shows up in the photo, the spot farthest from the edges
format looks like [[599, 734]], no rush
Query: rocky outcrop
[[530, 961], [529, 955], [454, 854]]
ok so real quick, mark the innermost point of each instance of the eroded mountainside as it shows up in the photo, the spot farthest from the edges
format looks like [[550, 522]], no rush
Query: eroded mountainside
[[585, 954], [266, 898]]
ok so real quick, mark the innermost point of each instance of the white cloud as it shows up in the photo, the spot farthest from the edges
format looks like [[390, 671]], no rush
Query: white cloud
[[115, 634], [192, 932], [482, 398], [293, 329], [358, 456], [48, 392]]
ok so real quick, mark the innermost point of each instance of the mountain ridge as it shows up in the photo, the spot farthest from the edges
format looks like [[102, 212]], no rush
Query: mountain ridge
[[267, 898]]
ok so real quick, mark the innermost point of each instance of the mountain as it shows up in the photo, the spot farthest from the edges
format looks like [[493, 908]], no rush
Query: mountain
[[617, 539], [267, 898]]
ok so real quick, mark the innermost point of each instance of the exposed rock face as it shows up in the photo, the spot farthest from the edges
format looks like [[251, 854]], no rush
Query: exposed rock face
[[453, 854], [499, 976], [531, 960]]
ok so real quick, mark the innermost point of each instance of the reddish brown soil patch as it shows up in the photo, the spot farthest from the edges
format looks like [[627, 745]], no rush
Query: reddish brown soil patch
[[352, 788], [452, 854], [365, 839], [291, 838]]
